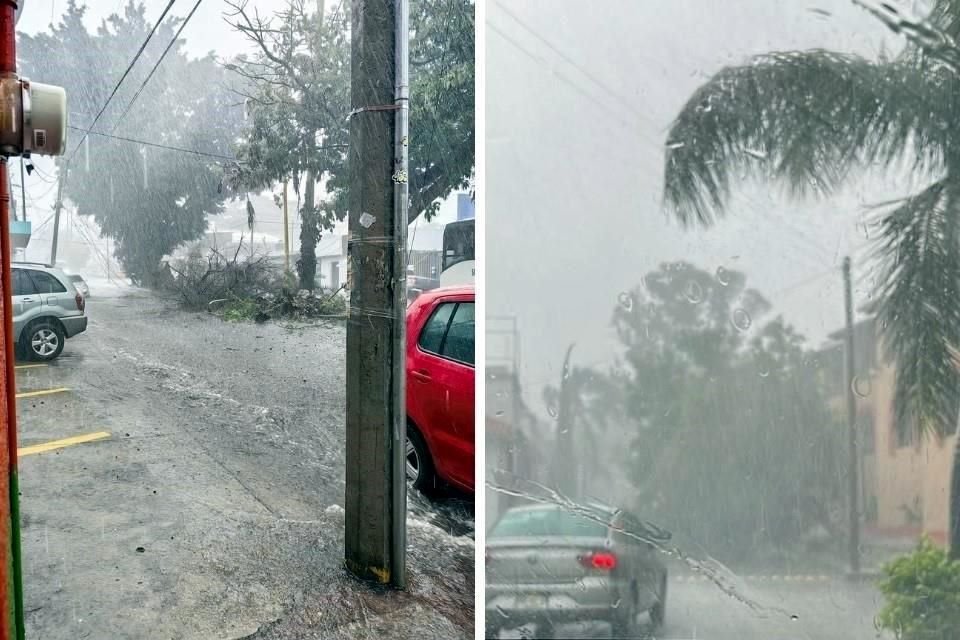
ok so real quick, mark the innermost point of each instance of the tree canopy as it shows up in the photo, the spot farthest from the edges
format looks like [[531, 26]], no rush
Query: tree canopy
[[148, 198]]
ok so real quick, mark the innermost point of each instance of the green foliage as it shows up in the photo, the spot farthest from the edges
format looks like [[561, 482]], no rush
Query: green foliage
[[809, 119], [735, 448], [922, 592], [240, 310], [149, 199], [298, 86]]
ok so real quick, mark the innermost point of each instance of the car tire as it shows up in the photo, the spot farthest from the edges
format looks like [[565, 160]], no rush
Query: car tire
[[420, 469], [43, 340], [658, 613]]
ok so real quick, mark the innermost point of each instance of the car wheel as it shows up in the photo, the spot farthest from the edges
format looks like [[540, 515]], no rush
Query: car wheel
[[658, 614], [43, 341], [420, 469]]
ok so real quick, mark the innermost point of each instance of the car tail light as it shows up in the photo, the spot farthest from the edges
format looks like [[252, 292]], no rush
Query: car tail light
[[603, 560], [81, 303]]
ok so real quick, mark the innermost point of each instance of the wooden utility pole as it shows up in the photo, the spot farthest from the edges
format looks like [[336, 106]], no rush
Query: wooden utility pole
[[57, 207], [375, 505], [566, 470], [853, 463]]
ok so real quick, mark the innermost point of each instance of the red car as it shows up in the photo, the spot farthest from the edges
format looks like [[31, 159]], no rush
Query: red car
[[440, 388]]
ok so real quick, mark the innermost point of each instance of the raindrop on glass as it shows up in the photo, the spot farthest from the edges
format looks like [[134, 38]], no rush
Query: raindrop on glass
[[741, 319], [626, 301], [694, 292], [552, 410], [861, 386], [502, 612], [722, 276], [759, 155], [615, 604], [763, 372], [675, 145]]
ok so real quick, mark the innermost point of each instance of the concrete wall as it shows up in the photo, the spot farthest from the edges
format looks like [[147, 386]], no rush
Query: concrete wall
[[916, 475]]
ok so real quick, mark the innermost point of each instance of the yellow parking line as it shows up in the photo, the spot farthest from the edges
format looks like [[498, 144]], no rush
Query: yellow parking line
[[44, 392], [29, 366], [60, 444]]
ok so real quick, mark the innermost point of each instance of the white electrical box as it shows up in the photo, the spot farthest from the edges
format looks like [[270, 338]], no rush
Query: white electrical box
[[44, 119]]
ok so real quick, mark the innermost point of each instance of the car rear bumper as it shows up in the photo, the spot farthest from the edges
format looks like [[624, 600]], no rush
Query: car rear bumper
[[74, 325], [521, 604]]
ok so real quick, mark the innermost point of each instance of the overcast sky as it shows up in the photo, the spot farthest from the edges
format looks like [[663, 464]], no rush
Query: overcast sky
[[574, 172], [206, 32]]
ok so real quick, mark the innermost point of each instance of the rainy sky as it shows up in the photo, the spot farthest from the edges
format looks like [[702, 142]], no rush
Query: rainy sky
[[207, 31], [575, 164]]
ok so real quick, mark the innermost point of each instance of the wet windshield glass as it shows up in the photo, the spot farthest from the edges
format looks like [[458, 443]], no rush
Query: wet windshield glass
[[723, 293]]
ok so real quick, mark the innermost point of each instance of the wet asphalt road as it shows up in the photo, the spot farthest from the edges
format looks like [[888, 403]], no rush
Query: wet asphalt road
[[213, 509], [831, 609]]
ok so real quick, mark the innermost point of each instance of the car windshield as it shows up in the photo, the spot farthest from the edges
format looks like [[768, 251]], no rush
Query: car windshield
[[547, 522]]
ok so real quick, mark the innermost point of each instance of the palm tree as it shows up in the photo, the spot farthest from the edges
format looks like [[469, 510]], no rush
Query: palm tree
[[808, 118]]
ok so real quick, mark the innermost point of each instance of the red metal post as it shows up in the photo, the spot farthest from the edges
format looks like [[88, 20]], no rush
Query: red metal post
[[11, 593]]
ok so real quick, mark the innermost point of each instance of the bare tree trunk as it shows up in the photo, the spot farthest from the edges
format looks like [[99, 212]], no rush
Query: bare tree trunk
[[307, 265]]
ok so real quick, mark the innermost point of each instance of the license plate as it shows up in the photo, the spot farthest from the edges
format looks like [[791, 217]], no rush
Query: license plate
[[532, 602]]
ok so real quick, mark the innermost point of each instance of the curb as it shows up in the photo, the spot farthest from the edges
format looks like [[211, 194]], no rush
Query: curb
[[760, 578]]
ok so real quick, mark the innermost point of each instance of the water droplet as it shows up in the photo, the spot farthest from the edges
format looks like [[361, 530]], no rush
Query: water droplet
[[615, 604], [626, 301], [552, 410], [723, 277], [794, 617], [741, 319], [566, 370], [694, 292], [764, 373], [676, 145], [499, 414], [861, 386], [502, 612]]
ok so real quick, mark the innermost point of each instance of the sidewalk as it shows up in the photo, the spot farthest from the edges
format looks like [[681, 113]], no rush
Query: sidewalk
[[438, 603]]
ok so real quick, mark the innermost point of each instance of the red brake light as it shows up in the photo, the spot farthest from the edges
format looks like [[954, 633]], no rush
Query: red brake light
[[81, 303], [603, 560]]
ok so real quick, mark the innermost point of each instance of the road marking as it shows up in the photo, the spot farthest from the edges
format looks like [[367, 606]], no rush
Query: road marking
[[29, 366], [60, 444], [43, 392]]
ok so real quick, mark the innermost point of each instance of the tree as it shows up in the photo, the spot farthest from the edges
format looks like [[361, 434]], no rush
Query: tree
[[149, 198], [734, 445], [298, 89], [808, 119]]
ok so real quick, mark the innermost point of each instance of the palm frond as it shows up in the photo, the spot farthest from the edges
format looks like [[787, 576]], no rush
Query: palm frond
[[919, 309], [804, 117]]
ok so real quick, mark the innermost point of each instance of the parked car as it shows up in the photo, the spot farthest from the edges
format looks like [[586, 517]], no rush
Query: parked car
[[47, 309], [548, 565], [79, 283], [440, 389]]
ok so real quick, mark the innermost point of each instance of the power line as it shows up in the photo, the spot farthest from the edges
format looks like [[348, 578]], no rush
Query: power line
[[150, 75], [158, 145], [123, 77], [573, 63]]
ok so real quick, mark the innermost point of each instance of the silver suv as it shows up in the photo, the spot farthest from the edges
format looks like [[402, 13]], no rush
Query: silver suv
[[47, 309], [548, 565]]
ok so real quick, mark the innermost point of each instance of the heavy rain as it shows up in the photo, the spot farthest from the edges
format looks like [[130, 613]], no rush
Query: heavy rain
[[182, 420], [722, 296]]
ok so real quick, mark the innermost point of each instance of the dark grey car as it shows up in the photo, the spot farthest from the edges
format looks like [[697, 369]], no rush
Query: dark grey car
[[547, 565]]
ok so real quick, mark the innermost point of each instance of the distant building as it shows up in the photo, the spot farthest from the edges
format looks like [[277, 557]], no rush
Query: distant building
[[905, 478]]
